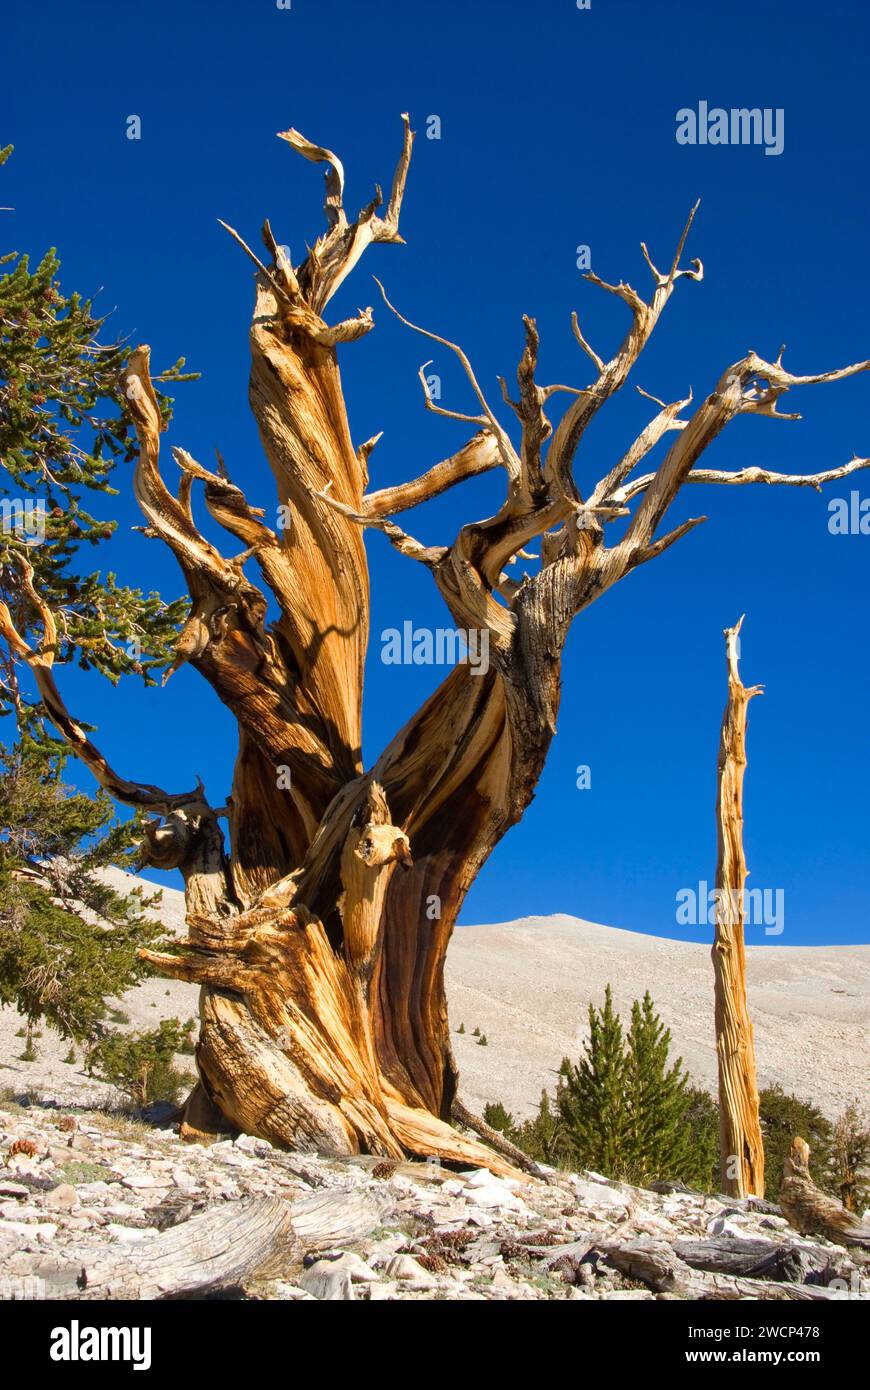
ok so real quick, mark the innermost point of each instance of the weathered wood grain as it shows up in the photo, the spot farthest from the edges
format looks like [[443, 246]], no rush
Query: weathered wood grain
[[741, 1148]]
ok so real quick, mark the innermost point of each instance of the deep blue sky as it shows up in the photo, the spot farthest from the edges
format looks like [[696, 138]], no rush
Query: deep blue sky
[[558, 129]]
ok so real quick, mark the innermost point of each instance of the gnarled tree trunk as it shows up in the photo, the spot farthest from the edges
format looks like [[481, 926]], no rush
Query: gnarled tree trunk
[[741, 1148], [320, 939]]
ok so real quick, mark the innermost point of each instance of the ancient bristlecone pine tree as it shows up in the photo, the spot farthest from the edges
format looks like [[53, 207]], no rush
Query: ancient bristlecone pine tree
[[741, 1148], [323, 1017]]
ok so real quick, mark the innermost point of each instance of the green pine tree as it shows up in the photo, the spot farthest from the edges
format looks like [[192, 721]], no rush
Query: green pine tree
[[497, 1117], [590, 1097], [68, 940], [623, 1109], [539, 1137], [659, 1142], [143, 1064], [701, 1168], [63, 429], [542, 1138]]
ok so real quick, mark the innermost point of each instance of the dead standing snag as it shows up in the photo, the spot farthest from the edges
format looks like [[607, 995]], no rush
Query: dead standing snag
[[741, 1148]]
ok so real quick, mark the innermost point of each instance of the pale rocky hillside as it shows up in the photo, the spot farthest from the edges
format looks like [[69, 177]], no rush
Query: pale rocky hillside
[[527, 985]]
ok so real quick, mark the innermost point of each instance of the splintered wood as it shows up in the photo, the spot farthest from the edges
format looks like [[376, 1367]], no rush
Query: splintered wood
[[741, 1150]]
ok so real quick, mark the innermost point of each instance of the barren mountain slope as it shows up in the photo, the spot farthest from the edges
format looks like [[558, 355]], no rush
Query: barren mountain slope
[[527, 986]]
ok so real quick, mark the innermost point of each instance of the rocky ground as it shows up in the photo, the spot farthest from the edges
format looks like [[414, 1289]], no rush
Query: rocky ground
[[85, 1190]]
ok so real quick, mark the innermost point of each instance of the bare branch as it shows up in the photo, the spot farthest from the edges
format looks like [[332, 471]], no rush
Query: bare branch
[[404, 543], [611, 487], [643, 553], [440, 409], [753, 474], [348, 331], [479, 455], [140, 794], [548, 391], [333, 205], [709, 419], [390, 229], [506, 448], [335, 254], [298, 313], [764, 403], [590, 351], [776, 374], [167, 516], [697, 271], [536, 427], [656, 273], [283, 265], [363, 453], [227, 503], [282, 291], [612, 375], [655, 399], [623, 291], [728, 400]]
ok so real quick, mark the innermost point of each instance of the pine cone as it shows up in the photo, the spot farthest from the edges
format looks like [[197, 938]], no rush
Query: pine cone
[[24, 1146]]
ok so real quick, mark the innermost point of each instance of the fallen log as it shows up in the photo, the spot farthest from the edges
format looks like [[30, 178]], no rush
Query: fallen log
[[219, 1249], [574, 1254], [763, 1259], [657, 1264], [330, 1218], [225, 1247], [497, 1141]]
